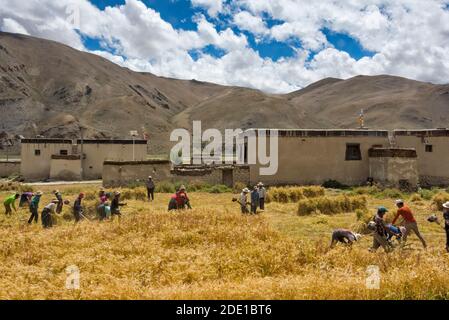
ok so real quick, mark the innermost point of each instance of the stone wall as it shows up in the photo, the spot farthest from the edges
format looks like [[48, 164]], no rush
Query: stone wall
[[116, 173], [65, 168], [394, 167], [9, 168]]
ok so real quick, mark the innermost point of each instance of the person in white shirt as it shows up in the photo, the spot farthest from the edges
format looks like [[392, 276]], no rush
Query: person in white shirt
[[49, 210], [262, 194], [244, 201]]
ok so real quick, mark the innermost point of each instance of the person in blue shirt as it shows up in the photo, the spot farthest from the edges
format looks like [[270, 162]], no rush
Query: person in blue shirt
[[34, 207], [254, 200]]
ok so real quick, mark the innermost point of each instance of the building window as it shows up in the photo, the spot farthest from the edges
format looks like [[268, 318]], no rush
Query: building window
[[37, 152], [63, 152], [353, 152], [429, 148]]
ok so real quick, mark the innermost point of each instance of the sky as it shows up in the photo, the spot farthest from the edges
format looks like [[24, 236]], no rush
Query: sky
[[276, 46]]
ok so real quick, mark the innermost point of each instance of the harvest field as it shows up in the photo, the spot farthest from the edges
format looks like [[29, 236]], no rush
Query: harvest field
[[213, 252]]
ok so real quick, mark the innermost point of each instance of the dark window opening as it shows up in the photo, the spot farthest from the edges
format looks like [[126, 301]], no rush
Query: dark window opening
[[63, 152], [353, 152], [37, 152], [429, 148]]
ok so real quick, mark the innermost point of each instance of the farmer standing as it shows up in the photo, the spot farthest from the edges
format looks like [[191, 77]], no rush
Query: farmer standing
[[254, 200], [78, 207], [150, 188], [11, 202], [34, 207], [409, 222], [262, 194], [243, 200]]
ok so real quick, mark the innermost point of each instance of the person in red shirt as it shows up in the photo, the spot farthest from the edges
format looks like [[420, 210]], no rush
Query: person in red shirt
[[409, 221]]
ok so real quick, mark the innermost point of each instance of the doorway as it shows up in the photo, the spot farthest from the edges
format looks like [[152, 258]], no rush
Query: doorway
[[228, 178]]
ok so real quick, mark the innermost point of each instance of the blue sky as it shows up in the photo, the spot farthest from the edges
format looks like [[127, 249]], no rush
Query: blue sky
[[181, 15]]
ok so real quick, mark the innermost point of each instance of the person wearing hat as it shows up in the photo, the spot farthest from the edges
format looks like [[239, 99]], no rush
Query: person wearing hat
[[254, 200], [47, 212], [60, 203], [34, 207], [11, 202], [409, 221], [446, 222], [182, 199], [150, 188], [381, 231], [78, 207], [262, 193], [244, 201], [116, 204], [344, 236], [102, 195]]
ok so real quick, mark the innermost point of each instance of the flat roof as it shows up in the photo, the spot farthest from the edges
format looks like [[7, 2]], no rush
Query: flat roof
[[111, 141], [46, 140], [442, 132], [323, 132], [85, 141]]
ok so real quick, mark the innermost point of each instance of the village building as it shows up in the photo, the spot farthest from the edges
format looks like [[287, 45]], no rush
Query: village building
[[64, 159], [399, 158]]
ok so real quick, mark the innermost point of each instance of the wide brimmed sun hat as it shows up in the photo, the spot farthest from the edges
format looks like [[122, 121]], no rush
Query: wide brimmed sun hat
[[246, 190], [446, 205], [399, 201]]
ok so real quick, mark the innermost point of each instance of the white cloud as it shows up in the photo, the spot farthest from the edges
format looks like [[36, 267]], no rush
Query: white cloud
[[213, 6], [246, 21], [12, 26], [410, 38]]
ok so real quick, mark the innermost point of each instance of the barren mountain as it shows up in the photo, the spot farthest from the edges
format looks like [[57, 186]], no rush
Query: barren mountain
[[50, 89]]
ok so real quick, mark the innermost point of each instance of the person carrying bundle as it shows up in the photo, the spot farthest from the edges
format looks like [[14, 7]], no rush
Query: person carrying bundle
[[60, 203], [381, 231]]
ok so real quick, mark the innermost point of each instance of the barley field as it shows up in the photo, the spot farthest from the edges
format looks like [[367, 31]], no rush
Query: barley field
[[213, 252]]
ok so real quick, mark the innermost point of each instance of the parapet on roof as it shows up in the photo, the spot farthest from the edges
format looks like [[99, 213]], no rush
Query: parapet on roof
[[85, 141], [324, 132], [441, 132]]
